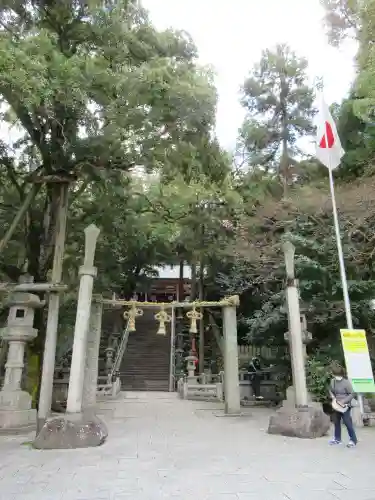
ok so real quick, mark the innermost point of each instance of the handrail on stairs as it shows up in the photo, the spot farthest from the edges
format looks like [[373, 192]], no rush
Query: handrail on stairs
[[120, 353]]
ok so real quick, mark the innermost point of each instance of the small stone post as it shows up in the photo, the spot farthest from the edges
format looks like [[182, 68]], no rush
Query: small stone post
[[77, 429], [92, 354], [87, 273], [15, 405], [231, 382]]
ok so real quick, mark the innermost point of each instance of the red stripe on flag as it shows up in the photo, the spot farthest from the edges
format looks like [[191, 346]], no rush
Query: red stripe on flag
[[330, 137]]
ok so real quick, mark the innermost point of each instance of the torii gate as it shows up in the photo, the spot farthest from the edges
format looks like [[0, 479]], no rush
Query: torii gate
[[228, 306]]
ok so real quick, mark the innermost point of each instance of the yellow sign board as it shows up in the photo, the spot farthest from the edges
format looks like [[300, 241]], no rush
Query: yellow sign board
[[357, 359]]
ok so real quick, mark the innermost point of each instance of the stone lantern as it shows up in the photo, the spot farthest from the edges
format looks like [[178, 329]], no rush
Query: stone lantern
[[190, 365], [15, 404]]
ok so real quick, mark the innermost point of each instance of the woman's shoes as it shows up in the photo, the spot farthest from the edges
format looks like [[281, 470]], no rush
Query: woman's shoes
[[335, 441]]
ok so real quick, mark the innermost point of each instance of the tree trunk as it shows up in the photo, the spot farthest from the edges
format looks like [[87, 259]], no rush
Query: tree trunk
[[41, 235], [19, 216]]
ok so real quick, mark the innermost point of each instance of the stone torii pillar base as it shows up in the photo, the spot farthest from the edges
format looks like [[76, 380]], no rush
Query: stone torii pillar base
[[72, 430]]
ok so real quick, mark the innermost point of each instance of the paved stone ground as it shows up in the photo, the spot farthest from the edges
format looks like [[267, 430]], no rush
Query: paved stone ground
[[161, 448]]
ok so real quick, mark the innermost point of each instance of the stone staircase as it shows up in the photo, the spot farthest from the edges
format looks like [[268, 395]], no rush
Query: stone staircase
[[145, 365]]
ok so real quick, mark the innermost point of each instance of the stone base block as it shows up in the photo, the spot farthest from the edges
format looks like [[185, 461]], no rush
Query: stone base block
[[81, 430], [307, 423], [17, 421], [15, 400]]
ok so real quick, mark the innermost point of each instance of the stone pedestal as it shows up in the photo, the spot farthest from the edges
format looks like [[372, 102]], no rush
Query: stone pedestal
[[16, 414], [76, 430], [308, 422]]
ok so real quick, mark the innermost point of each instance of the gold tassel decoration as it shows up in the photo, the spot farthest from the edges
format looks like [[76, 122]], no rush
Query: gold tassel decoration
[[163, 317], [131, 314], [194, 316]]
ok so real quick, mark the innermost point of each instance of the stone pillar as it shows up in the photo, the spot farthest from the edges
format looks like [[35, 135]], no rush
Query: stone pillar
[[295, 330], [15, 405], [306, 339], [76, 429], [296, 344], [300, 420], [92, 354], [231, 382], [87, 273]]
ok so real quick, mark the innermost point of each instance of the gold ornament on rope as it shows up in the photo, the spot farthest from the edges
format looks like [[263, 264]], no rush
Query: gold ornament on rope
[[131, 314], [163, 317], [194, 316]]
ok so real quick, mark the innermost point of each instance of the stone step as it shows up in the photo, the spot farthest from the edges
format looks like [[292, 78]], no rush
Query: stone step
[[145, 387]]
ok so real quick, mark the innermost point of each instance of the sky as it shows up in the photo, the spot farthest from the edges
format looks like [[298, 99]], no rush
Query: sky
[[230, 36]]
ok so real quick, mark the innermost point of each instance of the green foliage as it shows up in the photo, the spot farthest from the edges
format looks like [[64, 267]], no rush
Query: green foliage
[[342, 19], [318, 376], [279, 110], [358, 140], [96, 87], [364, 84], [95, 91]]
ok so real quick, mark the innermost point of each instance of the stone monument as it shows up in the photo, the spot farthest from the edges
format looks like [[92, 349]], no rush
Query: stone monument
[[77, 428], [16, 414], [301, 420]]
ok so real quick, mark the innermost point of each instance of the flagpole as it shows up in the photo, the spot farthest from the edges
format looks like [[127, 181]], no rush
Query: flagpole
[[344, 282], [348, 312]]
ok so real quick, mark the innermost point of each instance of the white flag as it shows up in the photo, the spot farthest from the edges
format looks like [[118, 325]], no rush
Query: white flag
[[328, 146]]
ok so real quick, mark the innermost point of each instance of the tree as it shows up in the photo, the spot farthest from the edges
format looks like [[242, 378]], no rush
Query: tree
[[93, 88], [355, 115], [358, 140], [364, 87], [342, 19], [279, 110]]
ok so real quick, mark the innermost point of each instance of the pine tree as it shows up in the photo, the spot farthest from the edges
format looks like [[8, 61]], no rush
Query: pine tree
[[278, 102]]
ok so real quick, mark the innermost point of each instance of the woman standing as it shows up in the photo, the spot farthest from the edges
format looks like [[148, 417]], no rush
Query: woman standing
[[342, 395]]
